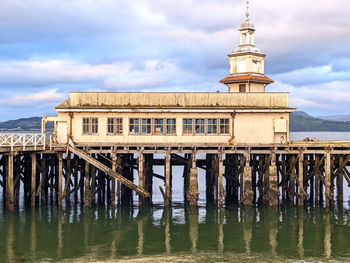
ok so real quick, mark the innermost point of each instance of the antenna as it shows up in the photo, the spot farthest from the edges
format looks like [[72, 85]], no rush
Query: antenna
[[247, 13]]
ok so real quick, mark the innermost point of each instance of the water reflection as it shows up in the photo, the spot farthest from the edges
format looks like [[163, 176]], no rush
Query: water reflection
[[111, 233]]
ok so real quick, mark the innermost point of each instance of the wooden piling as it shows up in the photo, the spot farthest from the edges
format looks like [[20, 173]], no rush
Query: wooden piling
[[302, 193], [167, 172], [210, 174], [221, 182], [141, 175], [328, 179], [114, 169], [59, 180], [242, 162], [33, 179], [68, 179], [148, 171], [248, 192], [192, 193], [273, 194], [266, 176], [9, 183], [87, 184], [317, 175], [340, 176], [292, 178]]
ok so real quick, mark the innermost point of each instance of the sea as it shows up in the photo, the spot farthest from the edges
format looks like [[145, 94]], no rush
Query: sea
[[179, 234]]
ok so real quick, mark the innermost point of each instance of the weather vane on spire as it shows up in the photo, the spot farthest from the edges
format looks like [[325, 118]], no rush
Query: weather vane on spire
[[247, 14]]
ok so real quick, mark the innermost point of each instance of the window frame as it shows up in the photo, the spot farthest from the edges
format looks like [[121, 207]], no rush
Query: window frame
[[214, 126], [147, 125], [187, 125], [200, 125], [114, 126], [242, 88], [135, 124], [170, 127], [158, 123], [225, 125], [90, 126]]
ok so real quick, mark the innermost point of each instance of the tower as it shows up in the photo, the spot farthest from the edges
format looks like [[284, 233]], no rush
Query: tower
[[247, 63]]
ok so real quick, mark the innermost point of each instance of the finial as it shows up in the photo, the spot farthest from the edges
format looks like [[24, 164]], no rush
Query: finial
[[247, 13]]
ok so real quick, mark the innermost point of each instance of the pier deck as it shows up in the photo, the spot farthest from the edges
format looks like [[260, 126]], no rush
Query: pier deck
[[298, 172]]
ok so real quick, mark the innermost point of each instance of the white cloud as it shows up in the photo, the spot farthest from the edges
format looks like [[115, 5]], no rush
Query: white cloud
[[44, 97]]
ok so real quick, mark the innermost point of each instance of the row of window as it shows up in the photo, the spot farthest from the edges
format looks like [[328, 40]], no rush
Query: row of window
[[159, 126]]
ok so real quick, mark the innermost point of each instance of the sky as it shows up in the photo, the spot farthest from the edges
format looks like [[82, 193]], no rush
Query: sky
[[51, 47]]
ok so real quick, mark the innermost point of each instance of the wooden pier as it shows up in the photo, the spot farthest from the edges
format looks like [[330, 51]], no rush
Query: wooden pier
[[299, 172]]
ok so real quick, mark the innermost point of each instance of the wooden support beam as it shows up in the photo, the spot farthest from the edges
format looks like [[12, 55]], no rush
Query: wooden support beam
[[340, 192], [302, 193], [273, 194], [161, 177], [59, 180], [114, 169], [292, 178], [241, 162], [66, 193], [192, 192], [328, 179], [210, 175], [248, 192], [167, 172], [109, 171], [9, 183], [221, 182], [87, 184], [33, 179], [317, 180], [266, 176], [141, 175]]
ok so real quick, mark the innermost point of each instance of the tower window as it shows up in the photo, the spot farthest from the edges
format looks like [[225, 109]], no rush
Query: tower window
[[242, 88]]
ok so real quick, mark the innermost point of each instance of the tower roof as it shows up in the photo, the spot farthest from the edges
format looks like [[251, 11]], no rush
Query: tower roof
[[246, 77]]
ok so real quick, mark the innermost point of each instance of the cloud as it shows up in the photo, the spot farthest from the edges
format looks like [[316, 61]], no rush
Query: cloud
[[49, 96], [38, 73]]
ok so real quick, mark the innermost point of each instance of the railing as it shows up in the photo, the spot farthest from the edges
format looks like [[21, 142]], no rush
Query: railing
[[22, 140]]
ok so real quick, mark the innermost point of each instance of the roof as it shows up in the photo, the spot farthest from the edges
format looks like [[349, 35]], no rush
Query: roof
[[175, 100], [246, 77]]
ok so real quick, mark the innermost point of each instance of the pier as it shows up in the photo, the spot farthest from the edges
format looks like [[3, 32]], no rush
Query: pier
[[299, 172]]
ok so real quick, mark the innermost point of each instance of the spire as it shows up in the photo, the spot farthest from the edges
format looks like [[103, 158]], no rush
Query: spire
[[247, 24], [247, 35], [247, 13]]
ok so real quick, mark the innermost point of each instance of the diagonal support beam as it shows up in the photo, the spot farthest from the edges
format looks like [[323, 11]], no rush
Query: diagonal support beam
[[108, 171]]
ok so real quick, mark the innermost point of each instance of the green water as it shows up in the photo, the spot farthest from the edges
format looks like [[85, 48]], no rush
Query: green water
[[178, 234]]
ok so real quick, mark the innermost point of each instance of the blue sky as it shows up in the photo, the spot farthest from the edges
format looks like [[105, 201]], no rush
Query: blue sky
[[51, 47]]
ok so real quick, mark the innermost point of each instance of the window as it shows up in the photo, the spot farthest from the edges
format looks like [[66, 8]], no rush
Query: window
[[224, 126], [146, 127], [94, 125], [134, 126], [171, 126], [241, 87], [200, 126], [158, 126], [187, 127], [212, 126], [86, 125], [115, 126], [90, 126]]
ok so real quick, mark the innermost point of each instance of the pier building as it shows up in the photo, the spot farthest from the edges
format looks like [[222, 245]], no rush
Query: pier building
[[240, 138], [245, 114]]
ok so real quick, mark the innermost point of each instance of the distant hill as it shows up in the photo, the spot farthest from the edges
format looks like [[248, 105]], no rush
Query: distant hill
[[335, 118], [301, 121], [23, 124]]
